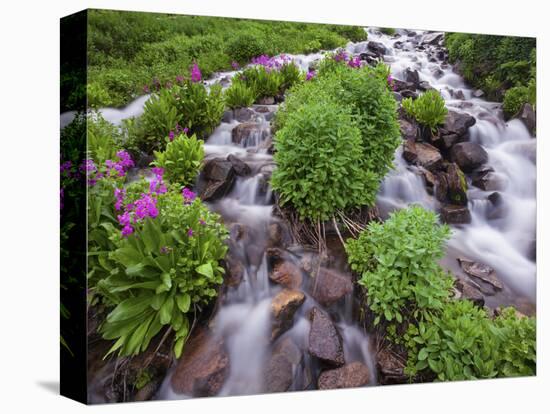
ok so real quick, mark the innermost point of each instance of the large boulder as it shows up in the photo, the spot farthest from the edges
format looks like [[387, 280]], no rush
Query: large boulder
[[409, 151], [527, 115], [408, 129], [283, 307], [390, 367], [468, 155], [490, 181], [203, 366], [455, 214], [279, 375], [377, 48], [216, 180], [456, 125], [428, 156], [325, 342], [433, 38], [241, 168], [351, 375], [330, 286], [246, 132], [412, 77], [470, 291], [287, 274]]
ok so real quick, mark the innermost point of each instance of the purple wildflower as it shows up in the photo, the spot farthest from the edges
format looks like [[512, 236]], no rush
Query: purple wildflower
[[202, 222], [157, 185], [124, 221], [235, 65], [66, 167], [341, 56], [146, 206], [171, 135], [185, 130], [190, 232], [188, 195], [120, 193], [310, 74], [354, 62], [196, 75]]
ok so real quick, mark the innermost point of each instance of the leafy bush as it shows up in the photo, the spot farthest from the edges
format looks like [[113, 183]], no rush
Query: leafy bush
[[514, 99], [428, 109], [291, 75], [246, 46], [462, 342], [397, 262], [387, 31], [239, 95], [352, 33], [262, 81], [319, 162], [165, 269], [181, 160], [104, 138]]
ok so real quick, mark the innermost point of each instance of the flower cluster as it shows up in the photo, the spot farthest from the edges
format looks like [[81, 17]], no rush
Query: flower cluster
[[271, 63], [179, 130], [188, 195], [196, 75], [145, 206], [119, 168], [157, 184], [341, 56], [310, 74], [390, 82], [352, 61]]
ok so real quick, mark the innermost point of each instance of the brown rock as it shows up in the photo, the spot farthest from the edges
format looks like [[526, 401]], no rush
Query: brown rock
[[391, 368], [281, 366], [283, 307], [470, 292], [287, 274], [325, 341], [330, 286], [243, 132], [468, 155], [429, 156], [481, 271], [453, 214], [203, 367], [351, 375], [234, 271], [409, 151], [457, 186]]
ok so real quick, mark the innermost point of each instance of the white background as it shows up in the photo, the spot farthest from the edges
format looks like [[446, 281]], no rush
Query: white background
[[29, 122]]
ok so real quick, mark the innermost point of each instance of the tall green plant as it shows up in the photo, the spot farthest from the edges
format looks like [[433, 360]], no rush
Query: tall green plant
[[428, 109]]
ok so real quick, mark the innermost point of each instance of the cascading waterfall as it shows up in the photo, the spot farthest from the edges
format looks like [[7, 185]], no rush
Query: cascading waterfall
[[504, 243]]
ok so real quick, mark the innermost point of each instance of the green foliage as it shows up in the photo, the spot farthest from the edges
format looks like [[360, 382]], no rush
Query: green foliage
[[319, 161], [291, 75], [239, 95], [517, 96], [246, 46], [264, 83], [163, 272], [428, 109], [397, 262], [390, 31], [462, 342], [181, 160], [104, 138], [128, 49], [189, 105], [493, 63]]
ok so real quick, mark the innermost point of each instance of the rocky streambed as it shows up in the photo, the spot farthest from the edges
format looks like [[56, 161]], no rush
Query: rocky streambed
[[288, 318]]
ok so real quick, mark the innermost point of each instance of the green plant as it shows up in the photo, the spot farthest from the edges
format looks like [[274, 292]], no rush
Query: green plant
[[388, 31], [319, 162], [291, 75], [462, 342], [104, 138], [246, 46], [239, 95], [397, 264], [428, 109], [166, 269], [264, 83], [181, 160], [514, 99]]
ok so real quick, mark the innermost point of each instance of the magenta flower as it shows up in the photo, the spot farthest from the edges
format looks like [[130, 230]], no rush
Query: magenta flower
[[202, 222], [65, 167], [196, 75], [310, 74], [354, 62], [171, 135], [157, 185], [234, 65], [185, 130], [188, 195], [124, 220], [146, 206], [341, 56], [190, 232], [120, 193]]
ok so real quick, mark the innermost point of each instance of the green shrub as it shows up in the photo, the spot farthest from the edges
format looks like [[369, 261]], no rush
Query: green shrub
[[181, 160], [517, 96], [352, 33], [319, 162], [264, 83], [239, 95], [462, 342], [388, 31], [104, 138], [428, 109], [246, 46], [165, 270], [291, 75], [397, 262]]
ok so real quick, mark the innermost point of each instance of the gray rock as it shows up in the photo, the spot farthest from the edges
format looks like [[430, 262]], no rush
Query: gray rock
[[468, 155], [408, 129], [280, 368], [241, 168], [470, 292], [377, 48], [412, 77], [351, 375], [481, 271], [429, 156], [433, 38], [330, 286], [390, 367], [325, 342], [453, 214]]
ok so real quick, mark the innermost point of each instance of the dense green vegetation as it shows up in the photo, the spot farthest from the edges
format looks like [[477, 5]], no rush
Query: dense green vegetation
[[130, 50], [428, 109], [502, 66], [407, 290], [362, 92]]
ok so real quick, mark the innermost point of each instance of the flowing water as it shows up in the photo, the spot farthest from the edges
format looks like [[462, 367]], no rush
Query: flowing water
[[504, 243]]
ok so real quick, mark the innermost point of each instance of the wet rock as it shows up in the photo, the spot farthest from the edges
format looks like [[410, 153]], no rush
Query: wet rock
[[378, 48], [266, 100], [278, 234], [241, 168], [400, 85], [275, 255], [480, 271], [437, 72], [470, 292], [478, 93], [409, 151], [234, 271], [243, 114], [227, 116], [408, 129], [453, 214], [398, 97], [412, 77], [456, 185], [468, 155], [424, 86], [528, 117], [242, 132], [280, 367], [283, 307], [351, 375], [429, 156], [286, 274], [311, 263], [433, 38], [369, 57], [325, 342], [330, 286], [495, 199], [457, 94], [203, 366], [407, 93], [490, 181], [456, 126], [216, 180], [441, 187], [390, 367]]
